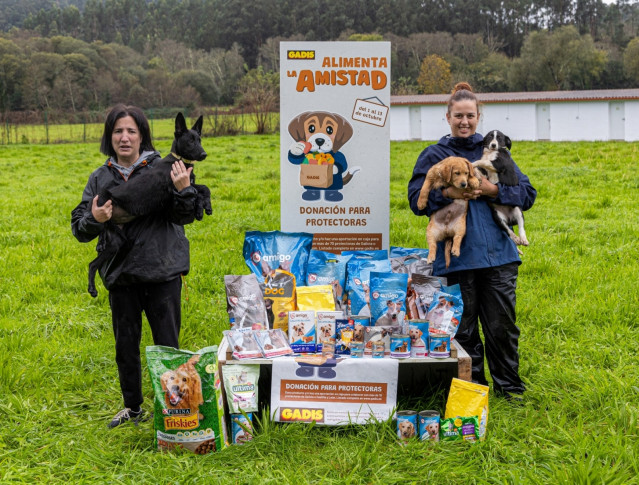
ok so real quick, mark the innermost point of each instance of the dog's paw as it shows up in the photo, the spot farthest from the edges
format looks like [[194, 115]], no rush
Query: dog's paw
[[524, 241], [455, 252], [297, 148]]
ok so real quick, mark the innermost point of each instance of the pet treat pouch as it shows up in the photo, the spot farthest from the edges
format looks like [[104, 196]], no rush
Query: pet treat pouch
[[243, 344], [459, 429], [267, 251], [410, 265], [326, 268], [301, 331], [245, 302], [358, 283], [273, 343], [398, 251], [240, 385], [388, 298], [187, 403], [344, 335], [279, 297], [315, 298], [445, 311], [423, 288], [468, 399]]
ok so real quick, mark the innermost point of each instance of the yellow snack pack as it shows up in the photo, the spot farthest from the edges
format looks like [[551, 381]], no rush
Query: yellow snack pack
[[317, 298], [468, 399]]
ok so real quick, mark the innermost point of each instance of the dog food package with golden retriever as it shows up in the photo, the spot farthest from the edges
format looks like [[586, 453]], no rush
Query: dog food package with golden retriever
[[274, 342], [468, 399], [315, 298], [388, 298], [406, 425], [326, 268], [279, 297], [240, 386], [188, 407], [445, 311], [245, 302], [358, 283], [301, 331], [264, 252], [243, 344]]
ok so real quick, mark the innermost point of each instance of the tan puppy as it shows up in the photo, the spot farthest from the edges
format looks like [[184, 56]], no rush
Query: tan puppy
[[450, 221]]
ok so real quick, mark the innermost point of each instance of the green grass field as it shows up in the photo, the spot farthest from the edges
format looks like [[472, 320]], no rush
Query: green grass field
[[577, 310]]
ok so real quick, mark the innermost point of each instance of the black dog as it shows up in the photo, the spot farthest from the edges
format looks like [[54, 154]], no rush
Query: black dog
[[151, 192], [498, 166]]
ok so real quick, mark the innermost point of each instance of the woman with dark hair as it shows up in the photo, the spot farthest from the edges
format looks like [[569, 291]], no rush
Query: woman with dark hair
[[487, 267], [145, 274]]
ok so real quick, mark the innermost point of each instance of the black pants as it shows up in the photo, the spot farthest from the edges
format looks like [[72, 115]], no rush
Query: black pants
[[160, 302], [489, 298]]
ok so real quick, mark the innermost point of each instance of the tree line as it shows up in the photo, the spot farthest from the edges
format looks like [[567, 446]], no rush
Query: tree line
[[86, 55]]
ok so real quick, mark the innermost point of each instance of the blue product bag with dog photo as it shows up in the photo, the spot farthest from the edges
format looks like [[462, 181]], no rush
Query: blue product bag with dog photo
[[398, 252], [358, 283], [264, 252], [388, 298], [326, 268], [445, 310]]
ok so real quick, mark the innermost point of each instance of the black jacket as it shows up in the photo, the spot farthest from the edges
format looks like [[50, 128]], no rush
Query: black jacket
[[157, 249]]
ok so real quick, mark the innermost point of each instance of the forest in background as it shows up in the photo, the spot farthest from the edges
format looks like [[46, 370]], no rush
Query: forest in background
[[83, 55]]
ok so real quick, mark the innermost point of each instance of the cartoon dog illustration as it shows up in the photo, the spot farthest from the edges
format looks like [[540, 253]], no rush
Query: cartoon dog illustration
[[321, 132]]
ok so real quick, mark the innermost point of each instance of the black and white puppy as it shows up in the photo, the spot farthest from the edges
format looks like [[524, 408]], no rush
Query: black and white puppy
[[497, 165]]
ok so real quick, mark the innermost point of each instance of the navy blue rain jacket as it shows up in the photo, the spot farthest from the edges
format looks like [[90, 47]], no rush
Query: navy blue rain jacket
[[485, 244]]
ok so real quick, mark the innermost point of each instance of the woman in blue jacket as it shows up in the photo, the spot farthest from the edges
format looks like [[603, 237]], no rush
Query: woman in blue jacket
[[487, 267]]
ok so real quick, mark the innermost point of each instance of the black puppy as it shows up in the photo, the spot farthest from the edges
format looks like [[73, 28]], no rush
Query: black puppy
[[497, 165], [152, 191]]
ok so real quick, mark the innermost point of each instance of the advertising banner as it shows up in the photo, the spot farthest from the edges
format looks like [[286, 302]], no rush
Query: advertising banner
[[333, 391], [335, 143]]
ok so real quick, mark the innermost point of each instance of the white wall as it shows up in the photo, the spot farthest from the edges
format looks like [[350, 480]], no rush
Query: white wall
[[569, 121]]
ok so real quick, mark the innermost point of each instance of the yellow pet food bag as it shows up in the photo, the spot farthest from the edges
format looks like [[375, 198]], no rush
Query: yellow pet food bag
[[468, 399], [316, 298]]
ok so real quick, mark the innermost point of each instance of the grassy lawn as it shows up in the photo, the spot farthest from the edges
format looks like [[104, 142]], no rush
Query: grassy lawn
[[577, 310]]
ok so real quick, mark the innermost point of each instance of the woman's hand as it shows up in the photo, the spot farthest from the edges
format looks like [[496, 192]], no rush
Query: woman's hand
[[181, 175], [101, 214]]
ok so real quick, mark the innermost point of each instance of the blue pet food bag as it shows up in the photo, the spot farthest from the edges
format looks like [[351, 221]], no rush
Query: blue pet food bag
[[398, 251], [326, 268], [388, 298], [265, 252], [358, 283], [445, 311]]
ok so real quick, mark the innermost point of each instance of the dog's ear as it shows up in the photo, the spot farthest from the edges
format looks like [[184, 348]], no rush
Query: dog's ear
[[296, 126], [180, 124], [198, 125], [509, 144], [446, 172], [344, 132], [164, 380]]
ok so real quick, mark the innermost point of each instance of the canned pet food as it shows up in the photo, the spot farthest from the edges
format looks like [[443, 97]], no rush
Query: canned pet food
[[428, 425], [439, 345], [357, 350], [361, 319], [328, 347], [406, 424], [418, 333], [241, 428], [377, 349], [400, 346]]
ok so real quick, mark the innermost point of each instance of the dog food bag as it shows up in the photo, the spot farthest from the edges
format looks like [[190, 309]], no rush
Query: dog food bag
[[326, 268], [411, 264], [468, 399], [240, 385], [367, 254], [445, 311], [388, 298], [279, 297], [325, 326], [424, 288], [459, 429], [301, 331], [274, 343], [398, 251], [243, 344], [267, 251], [358, 283], [245, 302], [188, 408], [315, 298]]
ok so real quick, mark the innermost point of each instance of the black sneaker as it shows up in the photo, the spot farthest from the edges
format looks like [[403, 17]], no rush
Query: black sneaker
[[127, 415]]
